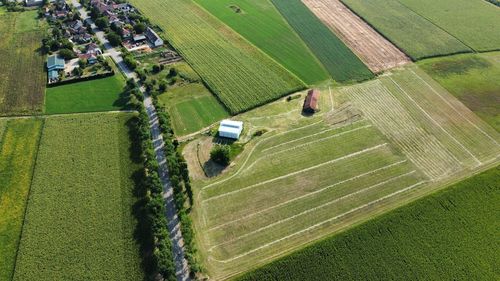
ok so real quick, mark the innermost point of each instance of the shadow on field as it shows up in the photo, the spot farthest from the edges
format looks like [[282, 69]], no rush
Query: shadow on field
[[141, 233]]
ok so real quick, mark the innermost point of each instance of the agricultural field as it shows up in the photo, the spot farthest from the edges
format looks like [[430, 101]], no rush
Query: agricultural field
[[412, 33], [473, 79], [376, 52], [473, 22], [241, 75], [18, 148], [192, 107], [104, 94], [281, 193], [79, 222], [261, 24], [22, 81], [342, 64], [436, 131], [451, 234]]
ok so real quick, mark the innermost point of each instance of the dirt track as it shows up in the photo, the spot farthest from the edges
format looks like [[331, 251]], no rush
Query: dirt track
[[375, 51]]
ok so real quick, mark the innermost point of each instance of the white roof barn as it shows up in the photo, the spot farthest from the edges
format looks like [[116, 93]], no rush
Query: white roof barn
[[230, 129]]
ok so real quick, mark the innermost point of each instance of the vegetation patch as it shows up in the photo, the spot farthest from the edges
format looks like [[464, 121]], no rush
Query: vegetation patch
[[192, 107], [415, 35], [473, 79], [90, 96], [263, 25], [451, 228], [473, 22], [342, 64], [79, 220], [22, 81], [18, 148], [241, 75]]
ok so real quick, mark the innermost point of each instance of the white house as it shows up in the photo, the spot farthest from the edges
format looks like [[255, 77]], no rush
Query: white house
[[230, 129]]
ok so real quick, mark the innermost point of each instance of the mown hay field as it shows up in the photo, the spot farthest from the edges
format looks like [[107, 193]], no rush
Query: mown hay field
[[192, 107], [342, 64], [473, 79], [18, 148], [90, 96], [412, 33], [474, 22], [435, 130], [445, 236], [22, 82], [79, 222], [295, 185], [242, 76], [261, 24]]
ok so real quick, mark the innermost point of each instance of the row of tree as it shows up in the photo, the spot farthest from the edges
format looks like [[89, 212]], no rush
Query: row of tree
[[154, 205], [179, 178]]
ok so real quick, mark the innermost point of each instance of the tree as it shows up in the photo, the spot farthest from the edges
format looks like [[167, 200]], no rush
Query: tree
[[82, 63], [77, 71], [102, 23], [130, 62], [221, 154], [114, 39], [140, 28], [67, 54], [156, 68]]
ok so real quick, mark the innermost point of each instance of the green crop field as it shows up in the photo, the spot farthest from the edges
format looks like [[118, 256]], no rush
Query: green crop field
[[89, 96], [22, 81], [192, 107], [449, 235], [338, 59], [18, 147], [260, 23], [473, 22], [473, 79], [241, 75], [434, 129], [416, 36], [79, 223]]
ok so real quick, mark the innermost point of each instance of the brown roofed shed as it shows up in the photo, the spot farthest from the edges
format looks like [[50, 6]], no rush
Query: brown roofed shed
[[311, 102]]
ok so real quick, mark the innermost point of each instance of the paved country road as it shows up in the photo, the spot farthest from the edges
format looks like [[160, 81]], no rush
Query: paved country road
[[181, 264]]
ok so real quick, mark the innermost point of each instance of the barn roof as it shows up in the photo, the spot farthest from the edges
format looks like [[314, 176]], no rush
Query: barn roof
[[312, 99]]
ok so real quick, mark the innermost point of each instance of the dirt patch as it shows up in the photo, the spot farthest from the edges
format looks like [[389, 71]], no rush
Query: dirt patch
[[197, 155], [376, 52]]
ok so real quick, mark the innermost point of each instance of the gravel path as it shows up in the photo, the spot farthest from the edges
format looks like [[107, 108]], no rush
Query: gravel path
[[181, 264]]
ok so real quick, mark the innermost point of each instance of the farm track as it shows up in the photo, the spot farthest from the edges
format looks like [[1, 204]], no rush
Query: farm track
[[376, 52]]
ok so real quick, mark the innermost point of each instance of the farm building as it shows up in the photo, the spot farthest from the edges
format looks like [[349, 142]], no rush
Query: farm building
[[230, 129], [153, 37], [31, 3], [54, 64], [311, 102]]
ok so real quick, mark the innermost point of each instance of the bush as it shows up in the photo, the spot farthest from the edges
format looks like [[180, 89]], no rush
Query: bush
[[221, 154], [114, 39], [140, 28], [102, 23], [67, 54]]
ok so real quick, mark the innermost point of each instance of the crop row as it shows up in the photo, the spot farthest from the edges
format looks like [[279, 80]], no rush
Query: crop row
[[238, 73], [342, 64]]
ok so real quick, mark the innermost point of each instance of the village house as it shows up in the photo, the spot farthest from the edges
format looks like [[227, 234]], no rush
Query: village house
[[311, 102], [153, 38], [55, 63]]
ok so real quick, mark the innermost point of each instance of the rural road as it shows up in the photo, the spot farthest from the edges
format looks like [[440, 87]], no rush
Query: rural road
[[181, 264]]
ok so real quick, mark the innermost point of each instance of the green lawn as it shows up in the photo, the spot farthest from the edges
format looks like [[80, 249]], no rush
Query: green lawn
[[474, 22], [260, 23], [26, 22], [473, 79], [415, 35], [89, 96], [342, 64], [450, 235], [79, 221], [192, 107], [18, 147]]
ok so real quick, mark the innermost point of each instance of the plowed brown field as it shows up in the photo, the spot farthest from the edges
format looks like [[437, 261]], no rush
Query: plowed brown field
[[377, 52]]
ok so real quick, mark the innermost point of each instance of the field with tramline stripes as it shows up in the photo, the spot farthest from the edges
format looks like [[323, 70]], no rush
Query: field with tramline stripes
[[437, 132], [412, 33], [22, 81], [342, 64], [241, 75], [296, 186]]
